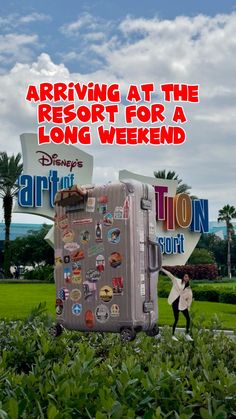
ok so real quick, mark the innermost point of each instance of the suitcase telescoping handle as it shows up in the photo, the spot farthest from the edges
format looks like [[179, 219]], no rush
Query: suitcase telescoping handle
[[155, 258]]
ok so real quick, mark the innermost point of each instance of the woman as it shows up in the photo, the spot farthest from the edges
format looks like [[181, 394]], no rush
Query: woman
[[180, 298]]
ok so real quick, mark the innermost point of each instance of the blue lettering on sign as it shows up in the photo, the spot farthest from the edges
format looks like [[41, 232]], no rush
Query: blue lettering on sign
[[171, 245], [200, 218], [32, 188]]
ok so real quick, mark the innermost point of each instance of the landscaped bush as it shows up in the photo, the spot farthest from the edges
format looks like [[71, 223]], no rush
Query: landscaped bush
[[95, 376], [41, 273], [227, 296], [206, 292], [204, 271]]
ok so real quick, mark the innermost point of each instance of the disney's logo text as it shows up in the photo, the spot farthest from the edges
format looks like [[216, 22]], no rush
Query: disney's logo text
[[53, 160]]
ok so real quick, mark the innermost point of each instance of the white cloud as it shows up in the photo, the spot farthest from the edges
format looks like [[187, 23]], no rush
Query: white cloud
[[85, 21], [16, 20], [15, 46]]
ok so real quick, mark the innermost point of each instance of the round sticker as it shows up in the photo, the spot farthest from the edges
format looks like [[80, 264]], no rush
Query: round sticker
[[115, 310], [113, 236], [68, 236], [89, 319], [115, 259], [75, 295], [102, 313], [108, 219], [92, 275], [63, 294], [84, 237], [76, 309], [106, 294], [100, 263]]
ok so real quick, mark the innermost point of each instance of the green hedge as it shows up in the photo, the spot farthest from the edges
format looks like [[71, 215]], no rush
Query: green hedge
[[92, 375], [203, 271], [41, 273], [201, 293]]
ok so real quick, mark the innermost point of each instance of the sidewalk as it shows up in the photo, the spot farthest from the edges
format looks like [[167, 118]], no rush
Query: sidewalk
[[229, 333]]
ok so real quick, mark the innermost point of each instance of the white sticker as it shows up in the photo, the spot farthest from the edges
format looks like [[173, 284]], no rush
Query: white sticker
[[151, 229], [142, 290], [90, 207], [118, 213], [141, 236], [142, 277], [141, 247]]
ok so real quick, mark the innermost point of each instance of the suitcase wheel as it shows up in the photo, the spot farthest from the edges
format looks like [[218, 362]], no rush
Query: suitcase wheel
[[154, 331], [127, 334], [55, 330]]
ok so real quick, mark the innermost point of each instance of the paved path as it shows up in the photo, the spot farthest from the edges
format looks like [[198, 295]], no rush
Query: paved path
[[229, 333]]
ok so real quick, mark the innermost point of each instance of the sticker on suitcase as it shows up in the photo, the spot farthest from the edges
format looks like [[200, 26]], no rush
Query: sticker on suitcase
[[103, 199], [95, 249], [66, 259], [108, 219], [93, 275], [115, 259], [59, 306], [75, 294], [58, 258], [90, 290], [102, 208], [90, 207], [68, 236], [118, 285], [63, 294], [77, 255], [113, 236], [84, 237], [71, 247], [63, 222], [67, 275], [76, 309], [100, 263], [102, 313], [89, 319], [98, 232], [106, 294], [115, 310]]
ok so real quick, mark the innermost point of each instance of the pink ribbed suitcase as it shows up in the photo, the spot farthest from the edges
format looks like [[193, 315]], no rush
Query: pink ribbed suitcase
[[106, 259]]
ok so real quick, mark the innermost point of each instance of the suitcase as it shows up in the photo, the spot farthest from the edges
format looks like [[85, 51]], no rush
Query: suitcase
[[106, 259]]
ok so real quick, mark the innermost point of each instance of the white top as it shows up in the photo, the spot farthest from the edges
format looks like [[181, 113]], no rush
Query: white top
[[178, 290]]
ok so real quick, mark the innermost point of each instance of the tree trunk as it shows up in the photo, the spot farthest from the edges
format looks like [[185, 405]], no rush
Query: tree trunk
[[229, 250], [7, 207]]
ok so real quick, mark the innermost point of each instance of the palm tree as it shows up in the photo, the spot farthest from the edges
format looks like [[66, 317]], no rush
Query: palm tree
[[10, 169], [181, 188], [227, 213]]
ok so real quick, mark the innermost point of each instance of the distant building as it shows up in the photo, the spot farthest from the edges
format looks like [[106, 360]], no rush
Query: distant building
[[219, 228]]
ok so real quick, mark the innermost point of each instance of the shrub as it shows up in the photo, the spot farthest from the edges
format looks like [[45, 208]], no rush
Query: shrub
[[93, 375], [206, 294], [204, 271], [228, 297], [41, 273]]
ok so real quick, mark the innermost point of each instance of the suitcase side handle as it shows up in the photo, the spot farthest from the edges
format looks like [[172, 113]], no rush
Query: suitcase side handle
[[155, 257]]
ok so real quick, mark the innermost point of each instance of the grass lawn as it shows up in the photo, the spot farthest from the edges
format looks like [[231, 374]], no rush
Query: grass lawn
[[17, 300]]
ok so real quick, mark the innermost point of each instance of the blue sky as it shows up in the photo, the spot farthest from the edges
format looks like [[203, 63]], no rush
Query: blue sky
[[131, 42]]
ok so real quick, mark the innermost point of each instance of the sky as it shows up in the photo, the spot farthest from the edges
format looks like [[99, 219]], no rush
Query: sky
[[130, 42]]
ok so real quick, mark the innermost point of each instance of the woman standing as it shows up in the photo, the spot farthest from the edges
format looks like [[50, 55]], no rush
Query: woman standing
[[180, 298]]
